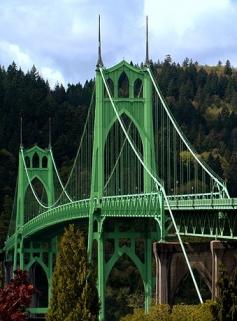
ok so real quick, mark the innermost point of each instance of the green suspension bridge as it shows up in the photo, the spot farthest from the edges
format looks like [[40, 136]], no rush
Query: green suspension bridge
[[135, 177]]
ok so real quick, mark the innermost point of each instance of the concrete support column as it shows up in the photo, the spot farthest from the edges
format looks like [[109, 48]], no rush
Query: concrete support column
[[217, 250], [163, 250]]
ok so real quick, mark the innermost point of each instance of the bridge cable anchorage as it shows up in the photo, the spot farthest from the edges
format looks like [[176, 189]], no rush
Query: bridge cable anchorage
[[158, 184], [201, 162]]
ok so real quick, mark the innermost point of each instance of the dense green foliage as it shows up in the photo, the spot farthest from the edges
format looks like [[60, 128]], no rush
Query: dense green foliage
[[124, 290], [226, 307], [178, 313], [203, 100], [74, 293], [223, 309], [29, 96], [186, 292]]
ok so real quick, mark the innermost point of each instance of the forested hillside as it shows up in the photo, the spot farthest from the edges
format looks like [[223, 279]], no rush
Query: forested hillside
[[202, 98]]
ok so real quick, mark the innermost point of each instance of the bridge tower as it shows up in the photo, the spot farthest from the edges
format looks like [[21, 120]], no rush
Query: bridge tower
[[123, 80], [39, 178]]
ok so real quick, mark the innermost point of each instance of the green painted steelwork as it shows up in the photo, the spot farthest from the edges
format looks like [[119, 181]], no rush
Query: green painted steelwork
[[139, 111], [143, 205], [39, 165], [38, 224], [97, 208], [37, 310]]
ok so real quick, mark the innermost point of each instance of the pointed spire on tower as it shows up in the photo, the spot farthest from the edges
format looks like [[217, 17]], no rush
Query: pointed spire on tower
[[147, 45], [99, 61]]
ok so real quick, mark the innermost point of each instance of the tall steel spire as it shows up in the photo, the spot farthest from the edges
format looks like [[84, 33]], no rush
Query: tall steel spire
[[147, 45], [99, 61]]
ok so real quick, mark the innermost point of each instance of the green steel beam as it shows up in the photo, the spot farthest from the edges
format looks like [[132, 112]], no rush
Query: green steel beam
[[202, 215], [143, 205]]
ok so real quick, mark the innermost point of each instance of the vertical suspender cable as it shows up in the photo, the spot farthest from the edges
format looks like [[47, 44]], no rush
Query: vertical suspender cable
[[205, 167], [158, 185], [175, 160]]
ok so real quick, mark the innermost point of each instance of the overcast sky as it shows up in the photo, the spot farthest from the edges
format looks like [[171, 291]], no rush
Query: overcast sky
[[60, 36]]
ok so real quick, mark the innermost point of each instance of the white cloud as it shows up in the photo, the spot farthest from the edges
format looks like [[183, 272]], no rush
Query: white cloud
[[53, 76], [181, 15], [63, 33], [203, 30], [60, 36], [10, 52]]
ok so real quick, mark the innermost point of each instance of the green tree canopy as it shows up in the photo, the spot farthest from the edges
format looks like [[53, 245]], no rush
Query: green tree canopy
[[226, 307], [74, 293]]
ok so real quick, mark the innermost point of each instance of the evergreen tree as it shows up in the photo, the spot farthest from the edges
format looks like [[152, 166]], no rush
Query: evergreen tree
[[224, 300], [74, 293], [233, 309], [225, 308], [231, 174], [186, 62], [209, 98], [228, 69], [215, 164], [168, 60]]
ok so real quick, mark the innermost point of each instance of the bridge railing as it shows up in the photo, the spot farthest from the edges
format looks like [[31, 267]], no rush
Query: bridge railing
[[200, 196]]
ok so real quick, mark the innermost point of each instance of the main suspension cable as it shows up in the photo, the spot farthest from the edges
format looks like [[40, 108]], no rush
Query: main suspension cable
[[118, 158], [182, 136], [157, 183], [78, 150], [64, 191]]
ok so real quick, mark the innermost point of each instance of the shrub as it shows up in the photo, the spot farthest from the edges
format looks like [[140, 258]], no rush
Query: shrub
[[200, 312], [15, 297], [157, 312], [180, 312]]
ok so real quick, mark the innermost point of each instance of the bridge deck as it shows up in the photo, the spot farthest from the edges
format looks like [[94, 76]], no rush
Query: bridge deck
[[141, 205]]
